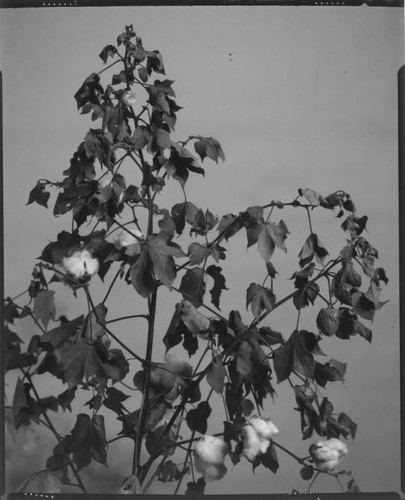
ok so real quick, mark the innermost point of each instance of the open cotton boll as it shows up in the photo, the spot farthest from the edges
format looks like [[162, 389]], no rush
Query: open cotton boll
[[327, 453], [211, 472], [128, 98], [178, 365], [254, 444], [124, 239], [264, 427], [80, 264], [211, 450]]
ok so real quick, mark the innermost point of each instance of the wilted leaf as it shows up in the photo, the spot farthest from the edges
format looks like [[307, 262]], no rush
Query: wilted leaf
[[88, 440], [312, 248], [196, 488], [43, 481], [219, 283], [108, 51], [312, 196], [39, 195], [208, 146], [25, 408], [195, 322], [169, 472], [216, 375], [130, 486], [260, 299], [198, 253], [265, 244], [228, 226], [44, 306]]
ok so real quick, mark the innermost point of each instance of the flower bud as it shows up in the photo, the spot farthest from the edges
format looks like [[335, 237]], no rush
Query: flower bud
[[128, 98], [328, 321]]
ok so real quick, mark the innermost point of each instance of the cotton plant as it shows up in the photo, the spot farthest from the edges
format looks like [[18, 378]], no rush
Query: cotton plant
[[121, 231]]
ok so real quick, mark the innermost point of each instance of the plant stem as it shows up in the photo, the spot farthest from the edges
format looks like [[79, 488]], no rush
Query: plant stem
[[146, 380], [312, 482], [111, 286]]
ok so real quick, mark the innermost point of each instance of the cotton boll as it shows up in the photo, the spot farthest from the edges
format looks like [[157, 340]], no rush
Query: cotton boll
[[327, 453], [124, 239], [179, 365], [211, 472], [80, 264], [128, 98], [264, 427], [253, 443], [211, 450]]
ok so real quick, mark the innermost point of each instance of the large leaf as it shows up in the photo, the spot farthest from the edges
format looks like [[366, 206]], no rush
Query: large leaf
[[44, 306], [161, 253], [25, 408], [141, 274], [39, 195], [192, 286], [260, 299], [88, 441], [216, 375], [43, 482]]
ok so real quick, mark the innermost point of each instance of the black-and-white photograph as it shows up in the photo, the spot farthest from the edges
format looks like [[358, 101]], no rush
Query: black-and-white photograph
[[201, 249]]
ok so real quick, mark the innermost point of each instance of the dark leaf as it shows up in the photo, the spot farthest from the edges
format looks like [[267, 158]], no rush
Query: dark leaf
[[306, 296], [283, 360], [108, 51], [169, 472], [25, 407], [89, 91], [347, 422], [43, 482], [303, 359], [141, 274], [143, 74], [173, 335], [219, 283], [198, 253], [65, 399], [245, 360], [155, 62], [39, 195], [270, 336], [114, 400], [247, 407], [269, 459], [140, 137], [197, 419], [362, 330], [197, 488], [192, 286], [166, 225], [352, 487], [306, 472]]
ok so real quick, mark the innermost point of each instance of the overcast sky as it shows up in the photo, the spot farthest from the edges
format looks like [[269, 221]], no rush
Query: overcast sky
[[298, 97]]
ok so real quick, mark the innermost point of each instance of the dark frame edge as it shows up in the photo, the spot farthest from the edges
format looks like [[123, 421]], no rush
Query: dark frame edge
[[2, 430]]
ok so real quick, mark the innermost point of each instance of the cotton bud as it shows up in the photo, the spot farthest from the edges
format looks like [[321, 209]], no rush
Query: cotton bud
[[128, 98], [209, 456], [328, 321], [327, 453], [80, 264]]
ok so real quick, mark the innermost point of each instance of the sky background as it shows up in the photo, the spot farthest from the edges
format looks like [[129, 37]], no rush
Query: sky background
[[298, 97]]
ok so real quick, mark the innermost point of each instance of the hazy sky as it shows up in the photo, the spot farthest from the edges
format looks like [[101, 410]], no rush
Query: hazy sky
[[298, 97]]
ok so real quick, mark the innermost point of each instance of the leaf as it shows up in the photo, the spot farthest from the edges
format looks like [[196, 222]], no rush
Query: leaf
[[161, 253], [269, 459], [198, 253], [271, 337], [196, 488], [306, 295], [244, 359], [228, 226], [180, 163], [155, 62], [278, 233], [43, 481], [141, 274], [331, 371], [208, 146], [347, 422], [312, 197], [114, 400], [39, 195], [143, 74], [173, 335], [169, 472], [140, 137], [216, 375], [166, 225], [312, 248], [197, 419], [362, 330], [88, 440], [195, 322], [65, 398], [265, 244], [89, 91], [303, 359], [192, 286], [130, 486], [260, 299], [25, 408], [352, 487], [44, 306], [108, 51], [219, 283]]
